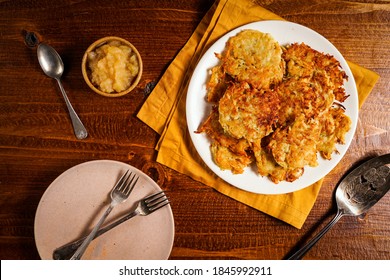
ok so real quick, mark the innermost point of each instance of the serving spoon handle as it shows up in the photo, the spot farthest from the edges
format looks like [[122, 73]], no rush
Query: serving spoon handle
[[302, 251]]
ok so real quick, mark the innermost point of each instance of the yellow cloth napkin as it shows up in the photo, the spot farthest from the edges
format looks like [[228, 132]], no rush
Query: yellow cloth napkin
[[164, 111]]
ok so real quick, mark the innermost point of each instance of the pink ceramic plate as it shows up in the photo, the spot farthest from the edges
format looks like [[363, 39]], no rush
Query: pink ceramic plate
[[75, 201]]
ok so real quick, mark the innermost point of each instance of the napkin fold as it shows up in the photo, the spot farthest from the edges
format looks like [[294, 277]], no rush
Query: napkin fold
[[164, 111]]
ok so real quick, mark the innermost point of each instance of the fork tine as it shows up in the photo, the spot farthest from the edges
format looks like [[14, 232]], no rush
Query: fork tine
[[126, 183], [153, 197], [156, 200], [130, 186], [159, 205], [122, 180]]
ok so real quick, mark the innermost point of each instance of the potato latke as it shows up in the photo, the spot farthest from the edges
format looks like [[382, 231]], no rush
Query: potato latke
[[274, 106], [246, 112], [254, 57]]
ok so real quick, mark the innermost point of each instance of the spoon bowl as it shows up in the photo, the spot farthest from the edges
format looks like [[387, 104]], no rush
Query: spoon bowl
[[361, 189], [52, 65], [50, 61]]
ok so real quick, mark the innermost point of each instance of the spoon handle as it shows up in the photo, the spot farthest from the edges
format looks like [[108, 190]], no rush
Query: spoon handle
[[301, 252], [78, 127]]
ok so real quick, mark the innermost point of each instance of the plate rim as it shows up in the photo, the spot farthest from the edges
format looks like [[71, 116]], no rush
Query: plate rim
[[282, 187]]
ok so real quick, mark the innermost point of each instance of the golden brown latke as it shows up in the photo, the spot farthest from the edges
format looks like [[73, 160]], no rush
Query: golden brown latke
[[334, 125], [254, 57], [295, 146], [267, 166], [228, 160], [303, 95], [228, 152], [303, 61], [214, 130], [248, 113], [279, 120], [217, 84]]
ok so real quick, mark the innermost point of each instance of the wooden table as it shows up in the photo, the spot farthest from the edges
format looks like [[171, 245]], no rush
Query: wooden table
[[37, 143]]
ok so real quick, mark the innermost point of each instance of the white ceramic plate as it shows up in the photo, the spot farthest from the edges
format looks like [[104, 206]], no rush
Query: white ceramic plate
[[197, 108], [76, 200]]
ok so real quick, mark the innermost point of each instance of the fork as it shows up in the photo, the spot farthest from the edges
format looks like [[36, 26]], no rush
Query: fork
[[119, 194], [145, 206]]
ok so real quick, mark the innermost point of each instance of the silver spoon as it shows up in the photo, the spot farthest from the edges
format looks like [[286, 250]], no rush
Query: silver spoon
[[52, 65], [356, 194]]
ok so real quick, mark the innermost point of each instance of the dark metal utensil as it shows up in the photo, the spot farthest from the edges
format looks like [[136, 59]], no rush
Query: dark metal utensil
[[356, 194], [51, 63]]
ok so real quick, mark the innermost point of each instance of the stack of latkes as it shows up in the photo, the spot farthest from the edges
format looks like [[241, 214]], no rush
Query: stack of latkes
[[277, 106]]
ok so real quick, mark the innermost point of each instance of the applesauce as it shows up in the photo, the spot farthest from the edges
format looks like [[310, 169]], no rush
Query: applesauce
[[113, 67]]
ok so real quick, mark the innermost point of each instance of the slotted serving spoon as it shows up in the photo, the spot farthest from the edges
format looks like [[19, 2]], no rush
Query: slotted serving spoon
[[356, 194]]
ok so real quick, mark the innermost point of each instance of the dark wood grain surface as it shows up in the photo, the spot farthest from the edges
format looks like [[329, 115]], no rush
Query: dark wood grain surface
[[37, 143]]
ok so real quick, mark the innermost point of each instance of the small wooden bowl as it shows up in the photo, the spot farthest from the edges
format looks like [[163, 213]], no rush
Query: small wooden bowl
[[87, 72]]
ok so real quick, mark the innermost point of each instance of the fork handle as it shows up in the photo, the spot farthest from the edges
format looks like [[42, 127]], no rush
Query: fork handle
[[80, 251], [65, 252]]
